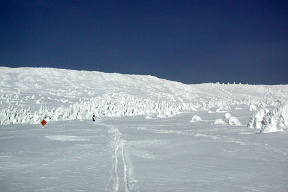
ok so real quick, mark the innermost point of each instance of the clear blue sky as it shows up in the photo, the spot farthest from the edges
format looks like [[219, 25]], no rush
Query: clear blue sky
[[192, 41]]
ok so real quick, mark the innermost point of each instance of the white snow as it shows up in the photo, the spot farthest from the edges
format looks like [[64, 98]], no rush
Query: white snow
[[219, 122], [195, 118], [252, 107], [256, 121], [228, 120], [227, 116], [271, 120], [142, 139], [65, 138], [234, 121], [67, 95]]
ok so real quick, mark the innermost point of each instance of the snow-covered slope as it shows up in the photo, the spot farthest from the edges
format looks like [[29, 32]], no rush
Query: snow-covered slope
[[27, 95], [207, 148]]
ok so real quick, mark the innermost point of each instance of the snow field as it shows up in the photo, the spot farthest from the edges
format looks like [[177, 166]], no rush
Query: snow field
[[152, 147]]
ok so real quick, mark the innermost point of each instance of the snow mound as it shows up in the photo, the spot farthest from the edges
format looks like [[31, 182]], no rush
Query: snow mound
[[219, 122], [227, 116], [195, 118], [273, 120], [234, 121], [228, 120]]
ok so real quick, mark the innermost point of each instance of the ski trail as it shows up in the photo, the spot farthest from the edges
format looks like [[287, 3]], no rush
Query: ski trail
[[115, 146], [121, 170], [125, 168]]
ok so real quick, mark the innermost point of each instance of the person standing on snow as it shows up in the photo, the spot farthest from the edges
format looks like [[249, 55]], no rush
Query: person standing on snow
[[93, 118]]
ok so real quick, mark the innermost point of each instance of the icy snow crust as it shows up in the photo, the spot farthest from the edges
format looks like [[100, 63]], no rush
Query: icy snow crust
[[150, 134]]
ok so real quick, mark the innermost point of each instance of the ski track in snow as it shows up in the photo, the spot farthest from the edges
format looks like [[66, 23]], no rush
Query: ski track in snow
[[27, 95], [122, 174]]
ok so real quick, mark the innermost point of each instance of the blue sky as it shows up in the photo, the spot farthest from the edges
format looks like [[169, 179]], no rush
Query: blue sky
[[192, 41]]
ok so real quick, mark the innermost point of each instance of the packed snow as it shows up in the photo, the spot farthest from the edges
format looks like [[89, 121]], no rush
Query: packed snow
[[150, 134]]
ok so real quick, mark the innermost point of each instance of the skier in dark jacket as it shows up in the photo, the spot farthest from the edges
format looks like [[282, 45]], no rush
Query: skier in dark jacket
[[93, 118]]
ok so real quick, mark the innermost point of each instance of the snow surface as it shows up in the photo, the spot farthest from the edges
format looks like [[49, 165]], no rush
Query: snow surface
[[219, 122], [142, 139]]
